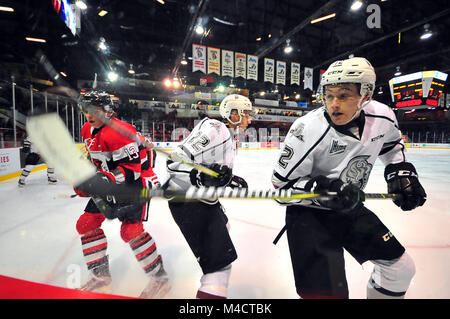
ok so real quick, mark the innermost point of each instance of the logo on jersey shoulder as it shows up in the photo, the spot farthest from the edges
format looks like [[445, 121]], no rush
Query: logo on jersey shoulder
[[357, 171], [377, 137], [298, 131], [337, 148]]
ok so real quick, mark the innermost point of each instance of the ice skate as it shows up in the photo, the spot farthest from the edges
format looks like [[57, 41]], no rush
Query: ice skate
[[100, 280], [52, 180], [21, 183], [101, 284], [157, 287]]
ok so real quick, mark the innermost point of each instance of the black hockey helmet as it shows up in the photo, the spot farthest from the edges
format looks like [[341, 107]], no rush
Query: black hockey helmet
[[97, 99]]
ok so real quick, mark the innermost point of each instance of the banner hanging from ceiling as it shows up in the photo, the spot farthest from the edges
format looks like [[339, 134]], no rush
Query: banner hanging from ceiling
[[198, 58], [241, 64], [281, 72], [252, 67], [295, 73], [213, 60], [308, 79], [227, 63], [269, 66]]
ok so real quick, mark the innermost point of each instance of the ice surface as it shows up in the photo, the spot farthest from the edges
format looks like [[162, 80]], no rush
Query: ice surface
[[38, 240]]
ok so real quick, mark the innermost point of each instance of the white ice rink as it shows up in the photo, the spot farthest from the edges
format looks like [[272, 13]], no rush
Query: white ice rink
[[38, 240]]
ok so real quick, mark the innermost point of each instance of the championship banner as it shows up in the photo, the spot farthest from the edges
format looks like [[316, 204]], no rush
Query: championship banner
[[227, 63], [213, 60], [240, 61], [281, 73], [295, 73], [252, 67], [269, 65], [308, 79], [198, 58]]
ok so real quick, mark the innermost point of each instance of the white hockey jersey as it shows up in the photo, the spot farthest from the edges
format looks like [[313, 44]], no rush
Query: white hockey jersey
[[315, 147], [209, 142]]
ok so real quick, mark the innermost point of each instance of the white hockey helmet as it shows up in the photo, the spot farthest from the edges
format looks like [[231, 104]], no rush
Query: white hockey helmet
[[353, 70], [234, 102]]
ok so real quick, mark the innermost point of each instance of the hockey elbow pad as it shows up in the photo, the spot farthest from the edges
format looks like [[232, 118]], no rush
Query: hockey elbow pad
[[402, 179]]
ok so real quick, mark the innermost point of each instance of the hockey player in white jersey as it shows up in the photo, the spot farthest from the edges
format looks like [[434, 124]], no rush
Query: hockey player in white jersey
[[31, 160], [204, 223], [333, 149]]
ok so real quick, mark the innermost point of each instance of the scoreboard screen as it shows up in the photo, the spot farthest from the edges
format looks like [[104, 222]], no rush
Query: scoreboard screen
[[418, 90]]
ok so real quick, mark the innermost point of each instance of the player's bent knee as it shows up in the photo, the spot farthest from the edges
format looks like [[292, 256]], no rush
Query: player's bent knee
[[392, 278], [130, 230], [88, 222]]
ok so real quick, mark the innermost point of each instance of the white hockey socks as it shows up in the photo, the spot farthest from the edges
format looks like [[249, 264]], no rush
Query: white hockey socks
[[144, 248], [214, 285]]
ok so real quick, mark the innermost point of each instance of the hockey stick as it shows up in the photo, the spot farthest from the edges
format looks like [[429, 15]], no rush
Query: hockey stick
[[196, 193], [56, 146], [67, 195]]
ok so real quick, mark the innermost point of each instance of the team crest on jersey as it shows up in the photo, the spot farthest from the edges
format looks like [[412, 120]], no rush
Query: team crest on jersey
[[357, 171], [298, 131], [337, 148]]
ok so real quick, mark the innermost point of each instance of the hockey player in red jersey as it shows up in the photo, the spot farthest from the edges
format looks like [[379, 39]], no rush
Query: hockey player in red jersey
[[333, 149], [118, 160]]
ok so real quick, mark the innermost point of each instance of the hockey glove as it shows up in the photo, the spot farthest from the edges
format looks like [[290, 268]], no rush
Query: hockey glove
[[201, 179], [26, 149], [128, 212], [402, 179], [348, 195], [100, 185], [237, 181]]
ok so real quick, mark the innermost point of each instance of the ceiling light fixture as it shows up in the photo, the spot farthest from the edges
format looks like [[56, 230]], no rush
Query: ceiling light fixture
[[167, 83], [332, 15], [161, 1], [113, 76], [6, 9], [102, 13], [427, 33], [80, 4], [199, 29], [63, 74], [356, 5], [398, 72], [131, 71], [184, 61], [288, 48], [35, 39]]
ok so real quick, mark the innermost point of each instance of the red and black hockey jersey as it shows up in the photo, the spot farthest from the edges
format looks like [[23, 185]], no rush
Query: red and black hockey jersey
[[113, 152]]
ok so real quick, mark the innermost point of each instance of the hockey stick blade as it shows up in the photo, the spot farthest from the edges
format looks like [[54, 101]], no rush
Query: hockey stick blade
[[55, 144]]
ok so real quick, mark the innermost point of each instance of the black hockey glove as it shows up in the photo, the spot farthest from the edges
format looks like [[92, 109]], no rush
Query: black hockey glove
[[128, 212], [201, 179], [237, 181], [348, 195], [402, 179], [26, 149]]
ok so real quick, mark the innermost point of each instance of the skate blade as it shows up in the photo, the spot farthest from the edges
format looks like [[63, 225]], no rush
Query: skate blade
[[160, 294]]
